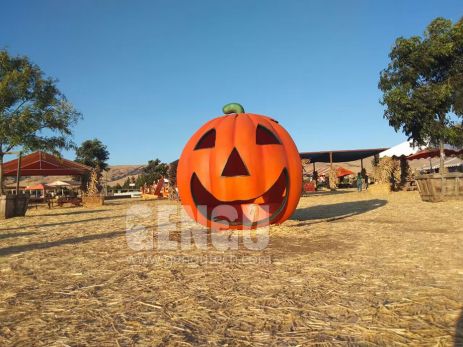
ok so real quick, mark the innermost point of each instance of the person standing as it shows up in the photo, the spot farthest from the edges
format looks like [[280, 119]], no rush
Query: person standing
[[359, 182], [315, 179]]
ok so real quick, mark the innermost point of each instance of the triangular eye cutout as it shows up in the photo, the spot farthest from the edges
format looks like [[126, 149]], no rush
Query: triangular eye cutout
[[235, 165], [207, 140], [266, 137]]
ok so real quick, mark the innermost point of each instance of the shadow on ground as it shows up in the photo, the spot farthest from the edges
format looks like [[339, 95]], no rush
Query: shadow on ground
[[336, 211], [459, 331], [60, 223], [329, 192], [6, 236], [44, 245], [68, 213]]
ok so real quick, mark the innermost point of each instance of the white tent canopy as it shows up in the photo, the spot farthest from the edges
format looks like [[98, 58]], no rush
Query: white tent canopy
[[406, 148], [402, 149]]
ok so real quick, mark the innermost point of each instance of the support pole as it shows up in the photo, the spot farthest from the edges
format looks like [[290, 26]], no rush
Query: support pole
[[442, 165], [361, 164], [331, 174], [18, 173], [442, 158], [314, 177]]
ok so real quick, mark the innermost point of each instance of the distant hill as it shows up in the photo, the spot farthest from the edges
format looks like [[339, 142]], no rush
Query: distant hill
[[116, 174]]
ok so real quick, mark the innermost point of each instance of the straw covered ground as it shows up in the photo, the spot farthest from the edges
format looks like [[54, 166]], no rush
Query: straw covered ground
[[350, 269]]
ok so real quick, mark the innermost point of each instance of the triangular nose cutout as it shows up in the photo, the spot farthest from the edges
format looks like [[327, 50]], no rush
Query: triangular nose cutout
[[235, 166]]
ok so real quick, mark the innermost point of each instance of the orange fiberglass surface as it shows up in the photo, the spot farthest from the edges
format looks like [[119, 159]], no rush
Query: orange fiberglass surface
[[240, 170]]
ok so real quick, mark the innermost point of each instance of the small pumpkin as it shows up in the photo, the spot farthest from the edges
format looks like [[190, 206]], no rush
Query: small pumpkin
[[240, 170]]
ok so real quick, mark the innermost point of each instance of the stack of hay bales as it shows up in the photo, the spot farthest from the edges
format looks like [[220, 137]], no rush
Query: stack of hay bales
[[385, 173], [333, 179], [391, 174]]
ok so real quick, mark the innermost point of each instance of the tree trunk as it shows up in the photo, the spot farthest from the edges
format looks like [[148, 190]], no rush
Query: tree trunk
[[442, 157], [1, 174]]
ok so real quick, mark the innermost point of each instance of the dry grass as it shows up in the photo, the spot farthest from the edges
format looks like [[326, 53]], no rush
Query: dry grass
[[350, 269]]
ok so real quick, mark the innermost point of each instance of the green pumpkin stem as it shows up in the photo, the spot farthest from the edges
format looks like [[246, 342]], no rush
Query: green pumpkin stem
[[233, 108]]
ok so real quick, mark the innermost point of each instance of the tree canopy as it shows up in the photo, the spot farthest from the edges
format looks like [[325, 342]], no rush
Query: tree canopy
[[128, 182], [423, 85], [93, 153], [34, 114], [173, 172], [154, 171]]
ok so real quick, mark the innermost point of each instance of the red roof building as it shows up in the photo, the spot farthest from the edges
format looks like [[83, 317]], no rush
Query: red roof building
[[44, 164]]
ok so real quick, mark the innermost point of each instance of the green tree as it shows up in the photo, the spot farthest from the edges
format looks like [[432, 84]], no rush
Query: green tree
[[140, 182], [126, 184], [423, 85], [34, 114], [93, 153], [154, 171], [173, 173]]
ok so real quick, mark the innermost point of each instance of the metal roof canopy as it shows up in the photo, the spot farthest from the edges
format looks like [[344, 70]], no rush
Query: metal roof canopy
[[44, 164], [340, 156]]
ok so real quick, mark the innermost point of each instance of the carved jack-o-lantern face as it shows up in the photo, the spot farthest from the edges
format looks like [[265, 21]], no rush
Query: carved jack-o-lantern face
[[240, 171]]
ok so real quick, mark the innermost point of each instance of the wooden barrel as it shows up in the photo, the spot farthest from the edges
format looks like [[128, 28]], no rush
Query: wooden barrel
[[13, 206]]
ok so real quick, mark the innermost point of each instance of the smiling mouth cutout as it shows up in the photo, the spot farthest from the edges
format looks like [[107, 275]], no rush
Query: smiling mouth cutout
[[261, 210]]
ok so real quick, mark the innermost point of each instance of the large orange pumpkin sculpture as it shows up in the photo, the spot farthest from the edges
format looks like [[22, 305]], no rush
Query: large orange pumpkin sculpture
[[240, 170]]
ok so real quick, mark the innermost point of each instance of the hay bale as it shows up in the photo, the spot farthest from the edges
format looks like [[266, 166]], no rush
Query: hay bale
[[146, 196], [380, 188], [389, 171], [332, 179], [92, 201]]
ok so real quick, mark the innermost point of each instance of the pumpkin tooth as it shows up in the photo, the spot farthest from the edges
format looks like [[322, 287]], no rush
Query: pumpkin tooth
[[251, 211]]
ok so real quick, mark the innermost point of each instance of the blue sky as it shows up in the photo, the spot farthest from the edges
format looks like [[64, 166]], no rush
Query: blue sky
[[147, 74]]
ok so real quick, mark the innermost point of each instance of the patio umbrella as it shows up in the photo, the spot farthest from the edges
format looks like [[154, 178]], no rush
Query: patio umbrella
[[341, 172], [40, 186], [60, 184], [434, 152]]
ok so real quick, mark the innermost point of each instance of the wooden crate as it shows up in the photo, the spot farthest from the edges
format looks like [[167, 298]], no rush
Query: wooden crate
[[434, 187]]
